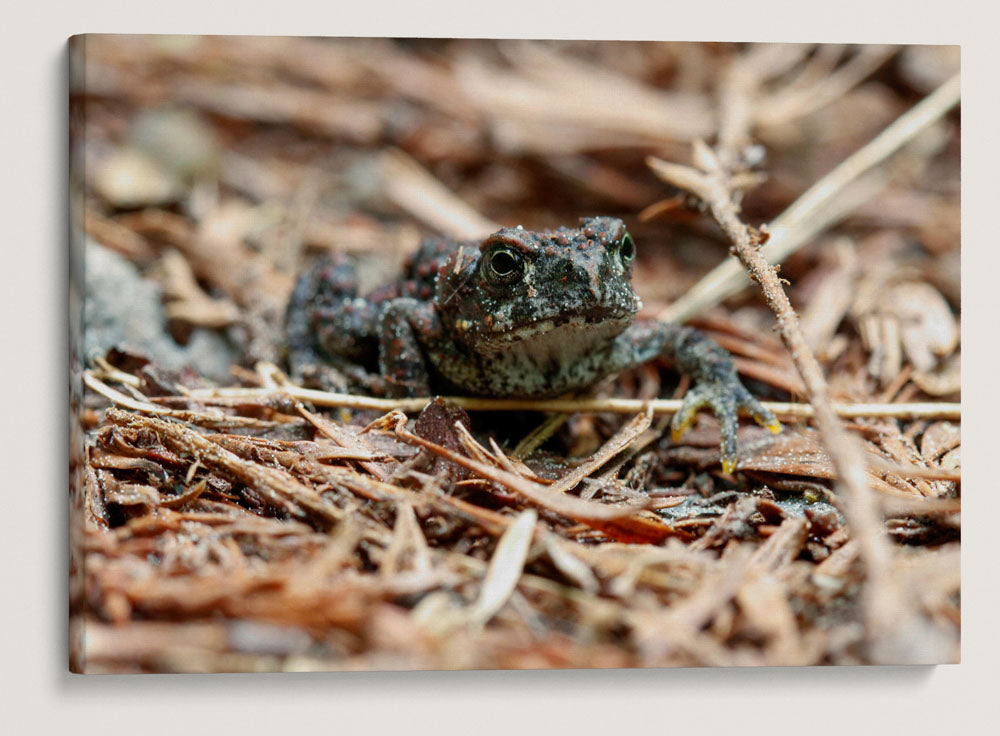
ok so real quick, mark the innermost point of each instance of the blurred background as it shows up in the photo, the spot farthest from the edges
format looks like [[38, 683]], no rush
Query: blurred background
[[214, 166]]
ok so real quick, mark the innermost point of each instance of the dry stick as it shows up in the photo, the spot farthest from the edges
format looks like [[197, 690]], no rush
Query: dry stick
[[273, 396], [821, 205], [884, 607], [892, 623], [786, 410]]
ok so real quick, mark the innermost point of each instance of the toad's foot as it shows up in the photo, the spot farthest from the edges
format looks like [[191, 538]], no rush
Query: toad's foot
[[725, 398]]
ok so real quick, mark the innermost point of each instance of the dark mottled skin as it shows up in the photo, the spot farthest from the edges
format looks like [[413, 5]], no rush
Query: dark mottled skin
[[520, 314]]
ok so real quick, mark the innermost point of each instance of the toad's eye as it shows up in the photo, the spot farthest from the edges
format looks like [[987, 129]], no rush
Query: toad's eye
[[626, 249], [505, 265]]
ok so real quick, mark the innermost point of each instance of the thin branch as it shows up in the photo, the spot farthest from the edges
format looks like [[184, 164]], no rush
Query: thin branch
[[885, 605], [820, 205], [786, 410]]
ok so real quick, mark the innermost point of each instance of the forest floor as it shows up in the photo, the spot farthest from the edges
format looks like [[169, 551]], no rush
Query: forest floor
[[226, 519]]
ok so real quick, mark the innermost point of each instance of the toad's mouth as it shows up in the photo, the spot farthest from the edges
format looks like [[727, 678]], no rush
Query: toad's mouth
[[592, 324]]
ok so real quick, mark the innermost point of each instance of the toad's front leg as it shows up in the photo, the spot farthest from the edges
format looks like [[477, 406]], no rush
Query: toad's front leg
[[401, 356], [717, 385]]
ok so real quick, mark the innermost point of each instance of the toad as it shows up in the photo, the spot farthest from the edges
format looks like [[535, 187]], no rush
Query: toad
[[519, 314]]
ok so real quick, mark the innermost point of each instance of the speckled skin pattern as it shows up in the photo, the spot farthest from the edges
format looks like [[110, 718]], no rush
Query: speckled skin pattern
[[520, 314]]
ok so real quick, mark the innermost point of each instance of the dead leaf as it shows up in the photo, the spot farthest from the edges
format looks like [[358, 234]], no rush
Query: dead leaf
[[505, 568], [928, 329]]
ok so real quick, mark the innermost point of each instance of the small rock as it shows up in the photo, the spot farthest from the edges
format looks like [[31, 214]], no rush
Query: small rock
[[124, 310], [178, 140], [129, 179]]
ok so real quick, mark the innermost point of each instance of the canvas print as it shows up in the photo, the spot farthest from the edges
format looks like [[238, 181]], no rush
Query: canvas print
[[404, 354]]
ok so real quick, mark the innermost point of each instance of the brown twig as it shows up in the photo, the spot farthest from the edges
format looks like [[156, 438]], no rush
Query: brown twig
[[886, 607], [711, 184]]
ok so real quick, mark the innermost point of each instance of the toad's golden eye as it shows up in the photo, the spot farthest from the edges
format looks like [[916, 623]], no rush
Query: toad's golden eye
[[505, 265], [626, 249]]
